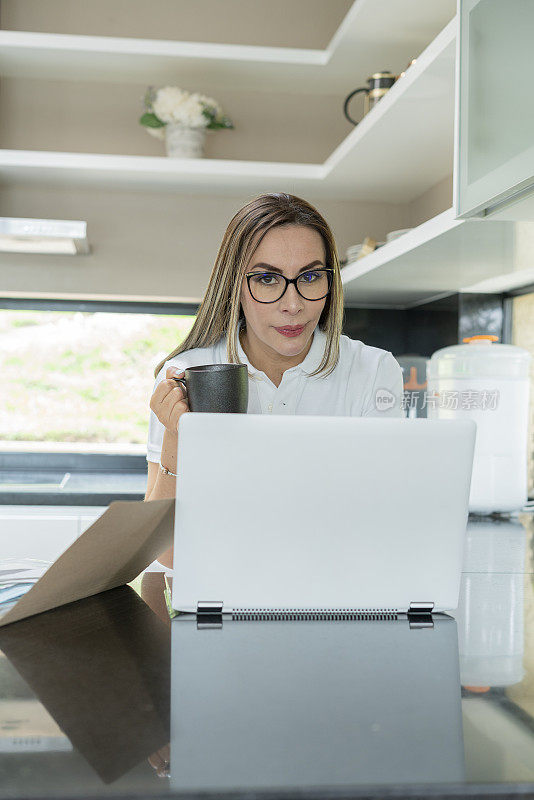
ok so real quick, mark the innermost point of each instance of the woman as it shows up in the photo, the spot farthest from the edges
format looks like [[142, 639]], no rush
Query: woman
[[275, 302]]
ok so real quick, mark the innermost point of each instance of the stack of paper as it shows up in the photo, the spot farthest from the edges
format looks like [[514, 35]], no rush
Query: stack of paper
[[17, 576]]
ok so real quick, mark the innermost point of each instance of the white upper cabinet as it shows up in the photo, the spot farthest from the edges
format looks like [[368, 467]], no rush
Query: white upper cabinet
[[495, 120]]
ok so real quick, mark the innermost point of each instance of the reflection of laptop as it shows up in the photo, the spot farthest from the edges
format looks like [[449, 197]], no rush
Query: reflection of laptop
[[311, 514], [300, 704]]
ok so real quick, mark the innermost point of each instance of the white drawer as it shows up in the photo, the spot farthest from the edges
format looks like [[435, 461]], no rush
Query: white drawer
[[86, 520], [29, 536], [43, 531]]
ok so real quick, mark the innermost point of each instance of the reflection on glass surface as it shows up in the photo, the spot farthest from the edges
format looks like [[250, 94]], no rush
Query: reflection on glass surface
[[25, 724], [272, 704], [99, 669], [495, 624], [490, 609], [303, 703]]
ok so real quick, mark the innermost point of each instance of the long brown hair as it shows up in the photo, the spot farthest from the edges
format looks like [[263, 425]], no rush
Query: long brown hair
[[220, 310]]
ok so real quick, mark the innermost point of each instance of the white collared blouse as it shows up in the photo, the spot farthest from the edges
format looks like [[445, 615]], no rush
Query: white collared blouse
[[366, 382]]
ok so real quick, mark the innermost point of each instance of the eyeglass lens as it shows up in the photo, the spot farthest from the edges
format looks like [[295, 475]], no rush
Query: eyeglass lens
[[268, 286]]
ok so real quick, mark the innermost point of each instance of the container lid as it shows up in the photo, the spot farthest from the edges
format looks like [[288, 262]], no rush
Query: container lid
[[481, 338], [481, 356]]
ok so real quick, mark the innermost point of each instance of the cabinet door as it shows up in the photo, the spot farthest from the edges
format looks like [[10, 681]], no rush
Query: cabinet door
[[495, 126], [29, 536]]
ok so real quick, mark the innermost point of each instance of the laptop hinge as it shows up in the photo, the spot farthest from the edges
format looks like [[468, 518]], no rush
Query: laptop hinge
[[420, 615], [209, 614]]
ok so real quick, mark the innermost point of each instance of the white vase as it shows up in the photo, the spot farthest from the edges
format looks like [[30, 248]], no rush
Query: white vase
[[182, 141]]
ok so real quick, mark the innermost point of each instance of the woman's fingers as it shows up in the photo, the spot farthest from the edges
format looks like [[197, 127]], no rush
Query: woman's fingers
[[168, 385], [169, 400], [171, 374]]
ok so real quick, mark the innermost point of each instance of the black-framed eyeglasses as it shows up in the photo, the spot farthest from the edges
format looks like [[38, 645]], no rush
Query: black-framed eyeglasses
[[268, 287]]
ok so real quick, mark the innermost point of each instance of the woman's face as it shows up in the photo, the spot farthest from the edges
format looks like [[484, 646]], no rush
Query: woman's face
[[289, 248]]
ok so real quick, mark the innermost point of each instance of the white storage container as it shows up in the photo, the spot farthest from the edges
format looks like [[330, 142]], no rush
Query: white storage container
[[487, 382]]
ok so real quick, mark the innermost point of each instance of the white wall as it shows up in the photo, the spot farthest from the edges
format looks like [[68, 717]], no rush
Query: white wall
[[149, 245]]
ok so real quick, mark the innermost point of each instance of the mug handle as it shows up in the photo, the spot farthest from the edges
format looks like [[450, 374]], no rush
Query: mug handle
[[184, 384]]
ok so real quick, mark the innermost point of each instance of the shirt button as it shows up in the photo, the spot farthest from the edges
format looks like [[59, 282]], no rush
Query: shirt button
[[270, 406]]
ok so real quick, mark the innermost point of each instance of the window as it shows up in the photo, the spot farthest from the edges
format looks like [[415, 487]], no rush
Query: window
[[79, 376]]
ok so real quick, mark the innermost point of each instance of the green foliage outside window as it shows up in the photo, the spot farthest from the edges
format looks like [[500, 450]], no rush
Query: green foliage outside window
[[71, 376]]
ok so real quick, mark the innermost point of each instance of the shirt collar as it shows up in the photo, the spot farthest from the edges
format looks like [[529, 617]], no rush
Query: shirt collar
[[310, 363]]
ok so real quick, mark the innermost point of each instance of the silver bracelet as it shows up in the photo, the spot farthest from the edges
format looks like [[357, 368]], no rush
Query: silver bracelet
[[167, 471]]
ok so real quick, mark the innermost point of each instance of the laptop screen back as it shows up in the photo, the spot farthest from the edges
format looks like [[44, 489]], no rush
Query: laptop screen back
[[314, 512]]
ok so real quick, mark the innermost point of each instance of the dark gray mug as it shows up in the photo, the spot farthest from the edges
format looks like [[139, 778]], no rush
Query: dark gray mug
[[217, 388]]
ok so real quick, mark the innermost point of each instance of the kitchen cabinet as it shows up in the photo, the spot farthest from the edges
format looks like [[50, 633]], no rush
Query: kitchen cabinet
[[42, 532], [495, 112]]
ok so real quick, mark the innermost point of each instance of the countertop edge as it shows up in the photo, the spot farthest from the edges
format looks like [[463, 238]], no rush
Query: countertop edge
[[65, 499], [473, 791]]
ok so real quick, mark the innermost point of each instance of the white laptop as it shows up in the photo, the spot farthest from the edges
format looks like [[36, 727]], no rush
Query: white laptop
[[314, 517]]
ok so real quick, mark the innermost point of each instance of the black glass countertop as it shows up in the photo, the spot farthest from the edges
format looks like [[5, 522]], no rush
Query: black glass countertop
[[108, 696]]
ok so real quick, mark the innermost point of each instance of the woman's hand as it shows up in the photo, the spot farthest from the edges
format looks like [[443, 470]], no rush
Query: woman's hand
[[169, 400]]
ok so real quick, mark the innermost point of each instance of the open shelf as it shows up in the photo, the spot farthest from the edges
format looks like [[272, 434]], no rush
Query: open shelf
[[179, 175], [400, 29], [405, 144], [400, 150], [393, 155], [440, 257]]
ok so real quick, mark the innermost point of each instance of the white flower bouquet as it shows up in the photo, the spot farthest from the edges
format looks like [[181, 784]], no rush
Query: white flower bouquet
[[188, 109]]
